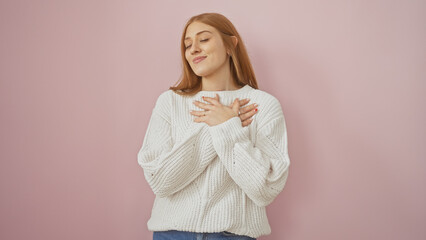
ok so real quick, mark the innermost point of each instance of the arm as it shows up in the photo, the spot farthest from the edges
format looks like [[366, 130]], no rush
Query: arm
[[261, 171], [168, 166]]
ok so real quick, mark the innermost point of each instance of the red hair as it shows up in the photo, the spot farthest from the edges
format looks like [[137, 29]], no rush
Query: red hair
[[240, 66]]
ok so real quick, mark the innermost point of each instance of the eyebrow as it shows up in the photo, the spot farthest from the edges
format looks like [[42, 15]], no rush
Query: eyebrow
[[198, 33]]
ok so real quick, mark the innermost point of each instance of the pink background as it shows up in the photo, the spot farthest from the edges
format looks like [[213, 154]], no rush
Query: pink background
[[79, 80]]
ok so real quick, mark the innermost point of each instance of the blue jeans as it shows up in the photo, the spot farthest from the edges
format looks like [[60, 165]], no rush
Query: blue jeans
[[182, 235]]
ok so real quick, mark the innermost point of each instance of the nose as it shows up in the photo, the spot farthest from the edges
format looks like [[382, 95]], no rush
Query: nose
[[194, 48]]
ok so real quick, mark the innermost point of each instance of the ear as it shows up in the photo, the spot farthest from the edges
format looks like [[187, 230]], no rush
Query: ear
[[234, 40]]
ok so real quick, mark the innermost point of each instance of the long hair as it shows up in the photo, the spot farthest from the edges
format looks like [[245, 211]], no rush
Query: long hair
[[240, 66]]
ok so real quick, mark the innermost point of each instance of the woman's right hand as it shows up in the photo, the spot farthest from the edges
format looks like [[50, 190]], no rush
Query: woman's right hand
[[247, 112]]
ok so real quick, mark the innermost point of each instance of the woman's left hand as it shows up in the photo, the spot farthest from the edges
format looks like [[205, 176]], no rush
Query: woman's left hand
[[215, 113]]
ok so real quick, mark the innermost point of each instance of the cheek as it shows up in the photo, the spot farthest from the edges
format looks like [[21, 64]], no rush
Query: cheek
[[186, 57], [210, 49], [218, 52]]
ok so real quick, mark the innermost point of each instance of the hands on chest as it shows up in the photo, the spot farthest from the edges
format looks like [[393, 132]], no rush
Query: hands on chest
[[217, 113]]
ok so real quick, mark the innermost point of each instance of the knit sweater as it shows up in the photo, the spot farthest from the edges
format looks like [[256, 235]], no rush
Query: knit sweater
[[214, 178]]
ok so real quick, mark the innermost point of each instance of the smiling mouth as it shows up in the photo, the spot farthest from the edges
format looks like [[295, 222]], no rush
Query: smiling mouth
[[199, 59]]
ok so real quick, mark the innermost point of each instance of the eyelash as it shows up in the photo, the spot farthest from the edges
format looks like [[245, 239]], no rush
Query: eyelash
[[204, 40]]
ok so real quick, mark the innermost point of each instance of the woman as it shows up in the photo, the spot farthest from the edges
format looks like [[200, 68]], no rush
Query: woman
[[214, 169]]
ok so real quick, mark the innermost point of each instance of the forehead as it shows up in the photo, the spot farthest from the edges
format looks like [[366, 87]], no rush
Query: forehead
[[197, 27]]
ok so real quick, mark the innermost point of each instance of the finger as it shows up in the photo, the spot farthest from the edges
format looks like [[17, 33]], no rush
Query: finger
[[242, 102], [204, 106], [244, 123], [213, 101], [248, 114], [247, 122], [236, 106], [248, 108], [199, 119], [198, 113]]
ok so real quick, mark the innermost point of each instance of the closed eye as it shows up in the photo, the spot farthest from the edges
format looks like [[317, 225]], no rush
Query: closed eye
[[204, 40]]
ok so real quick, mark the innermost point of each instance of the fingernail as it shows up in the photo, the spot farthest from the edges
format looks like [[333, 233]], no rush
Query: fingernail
[[255, 105], [255, 110]]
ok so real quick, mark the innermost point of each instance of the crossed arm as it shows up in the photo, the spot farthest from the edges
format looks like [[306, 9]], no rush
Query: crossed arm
[[260, 170]]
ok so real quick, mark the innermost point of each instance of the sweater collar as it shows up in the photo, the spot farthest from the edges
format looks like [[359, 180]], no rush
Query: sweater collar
[[245, 88]]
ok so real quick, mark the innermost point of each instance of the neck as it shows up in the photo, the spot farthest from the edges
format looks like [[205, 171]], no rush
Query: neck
[[220, 80]]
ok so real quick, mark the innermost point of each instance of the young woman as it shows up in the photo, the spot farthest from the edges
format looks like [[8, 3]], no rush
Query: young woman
[[214, 165]]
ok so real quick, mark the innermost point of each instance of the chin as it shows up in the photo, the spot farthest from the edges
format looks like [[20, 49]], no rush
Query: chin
[[202, 73]]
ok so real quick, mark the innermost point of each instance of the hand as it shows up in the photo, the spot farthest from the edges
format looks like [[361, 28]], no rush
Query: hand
[[223, 113], [247, 112]]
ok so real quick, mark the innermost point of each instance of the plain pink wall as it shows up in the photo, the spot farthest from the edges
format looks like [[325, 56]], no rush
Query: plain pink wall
[[79, 80]]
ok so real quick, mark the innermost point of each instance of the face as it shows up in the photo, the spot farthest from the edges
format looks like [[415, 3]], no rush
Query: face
[[204, 41]]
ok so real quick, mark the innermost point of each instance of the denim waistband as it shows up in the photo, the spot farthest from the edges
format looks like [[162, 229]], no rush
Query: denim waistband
[[184, 235]]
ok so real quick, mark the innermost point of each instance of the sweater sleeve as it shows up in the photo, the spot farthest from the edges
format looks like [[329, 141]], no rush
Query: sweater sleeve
[[170, 166], [260, 170]]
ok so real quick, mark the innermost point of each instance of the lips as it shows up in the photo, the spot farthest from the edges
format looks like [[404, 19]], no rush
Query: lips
[[198, 59]]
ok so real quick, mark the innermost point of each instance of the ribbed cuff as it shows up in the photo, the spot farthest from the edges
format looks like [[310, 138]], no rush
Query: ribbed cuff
[[228, 132]]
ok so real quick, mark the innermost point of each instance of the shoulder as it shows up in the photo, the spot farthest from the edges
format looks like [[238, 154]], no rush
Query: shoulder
[[269, 105], [163, 99], [266, 96], [163, 104]]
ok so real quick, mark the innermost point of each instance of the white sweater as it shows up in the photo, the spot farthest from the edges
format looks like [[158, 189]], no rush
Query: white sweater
[[218, 178]]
